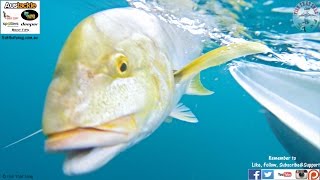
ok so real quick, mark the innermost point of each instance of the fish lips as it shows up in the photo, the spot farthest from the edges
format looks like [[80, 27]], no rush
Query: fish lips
[[112, 133], [87, 160], [84, 138], [89, 148]]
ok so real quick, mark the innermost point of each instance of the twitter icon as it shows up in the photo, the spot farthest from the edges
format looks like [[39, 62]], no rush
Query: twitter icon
[[267, 174]]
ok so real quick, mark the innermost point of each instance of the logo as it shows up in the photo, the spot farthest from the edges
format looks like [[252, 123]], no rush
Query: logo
[[29, 24], [302, 174], [29, 15], [20, 30], [306, 16], [285, 174], [20, 17], [313, 174], [11, 24], [267, 174], [19, 5], [6, 16], [254, 174]]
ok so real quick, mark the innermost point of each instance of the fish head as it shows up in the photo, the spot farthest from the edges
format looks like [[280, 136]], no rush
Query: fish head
[[101, 96]]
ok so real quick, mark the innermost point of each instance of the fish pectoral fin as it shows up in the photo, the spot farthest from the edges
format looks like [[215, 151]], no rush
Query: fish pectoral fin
[[183, 113], [219, 56], [197, 88]]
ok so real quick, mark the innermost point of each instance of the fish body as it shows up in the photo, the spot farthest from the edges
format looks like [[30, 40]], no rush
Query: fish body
[[120, 74], [138, 36]]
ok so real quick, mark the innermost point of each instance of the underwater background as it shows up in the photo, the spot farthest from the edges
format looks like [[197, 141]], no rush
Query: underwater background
[[232, 131]]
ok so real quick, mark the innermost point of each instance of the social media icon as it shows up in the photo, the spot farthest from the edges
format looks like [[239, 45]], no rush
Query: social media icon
[[267, 174], [254, 174], [302, 174], [284, 174], [313, 174]]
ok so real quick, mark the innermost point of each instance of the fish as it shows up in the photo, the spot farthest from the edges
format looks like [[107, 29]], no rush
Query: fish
[[120, 74], [291, 99]]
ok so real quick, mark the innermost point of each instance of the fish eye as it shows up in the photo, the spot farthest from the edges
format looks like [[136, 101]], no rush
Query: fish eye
[[121, 64], [123, 67], [118, 65]]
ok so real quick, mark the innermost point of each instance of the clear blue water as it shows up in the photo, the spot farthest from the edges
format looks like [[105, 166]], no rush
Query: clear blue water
[[231, 134]]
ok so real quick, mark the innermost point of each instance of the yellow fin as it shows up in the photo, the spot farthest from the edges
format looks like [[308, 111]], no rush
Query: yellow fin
[[197, 88], [219, 56]]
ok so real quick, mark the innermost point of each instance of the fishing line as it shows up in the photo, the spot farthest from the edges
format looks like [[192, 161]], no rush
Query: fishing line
[[37, 132]]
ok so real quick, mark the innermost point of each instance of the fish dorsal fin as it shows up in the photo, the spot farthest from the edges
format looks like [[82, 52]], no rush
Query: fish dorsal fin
[[219, 56], [183, 113], [197, 88]]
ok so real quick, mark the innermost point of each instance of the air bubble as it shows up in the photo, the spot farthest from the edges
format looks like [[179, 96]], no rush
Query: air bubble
[[257, 33]]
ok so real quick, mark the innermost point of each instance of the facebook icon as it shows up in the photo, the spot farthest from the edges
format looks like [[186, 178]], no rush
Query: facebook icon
[[254, 174]]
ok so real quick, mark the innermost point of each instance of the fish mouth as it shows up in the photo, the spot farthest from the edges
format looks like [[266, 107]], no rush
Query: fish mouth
[[87, 160], [83, 138], [89, 148], [112, 133], [86, 149]]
